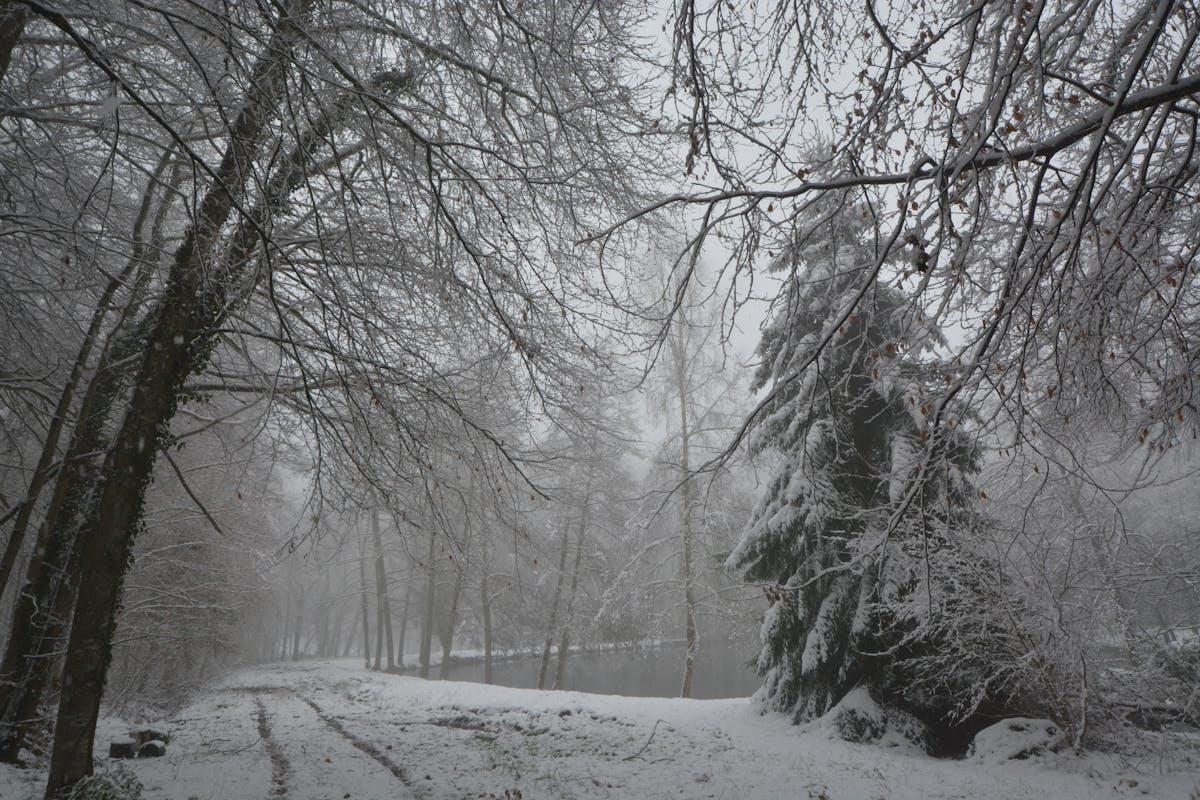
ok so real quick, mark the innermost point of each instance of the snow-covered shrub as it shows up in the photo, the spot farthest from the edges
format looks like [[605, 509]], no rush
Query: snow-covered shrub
[[116, 784], [858, 718], [1162, 691], [975, 644], [1074, 633], [1180, 662], [1017, 738]]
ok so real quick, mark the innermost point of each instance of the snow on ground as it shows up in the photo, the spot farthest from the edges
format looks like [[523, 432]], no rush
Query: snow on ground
[[318, 730]]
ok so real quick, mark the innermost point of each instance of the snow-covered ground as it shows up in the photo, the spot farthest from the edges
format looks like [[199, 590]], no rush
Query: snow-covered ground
[[332, 730]]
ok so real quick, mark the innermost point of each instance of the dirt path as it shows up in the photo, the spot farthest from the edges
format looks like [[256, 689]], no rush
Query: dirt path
[[364, 746], [280, 766], [313, 755]]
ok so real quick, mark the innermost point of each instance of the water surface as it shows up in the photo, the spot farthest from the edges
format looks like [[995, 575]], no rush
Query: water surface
[[721, 671]]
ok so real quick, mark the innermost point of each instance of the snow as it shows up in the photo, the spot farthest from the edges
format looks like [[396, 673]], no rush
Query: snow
[[332, 730], [825, 628], [1018, 737], [858, 718]]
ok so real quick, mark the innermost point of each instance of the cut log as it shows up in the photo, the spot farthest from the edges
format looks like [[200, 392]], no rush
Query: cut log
[[122, 747], [153, 749], [148, 733]]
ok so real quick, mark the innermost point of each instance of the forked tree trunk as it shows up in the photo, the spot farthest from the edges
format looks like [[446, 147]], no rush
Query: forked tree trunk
[[45, 602], [25, 668], [42, 471]]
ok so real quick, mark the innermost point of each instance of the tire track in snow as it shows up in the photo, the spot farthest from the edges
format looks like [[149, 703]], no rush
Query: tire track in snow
[[364, 746], [280, 767]]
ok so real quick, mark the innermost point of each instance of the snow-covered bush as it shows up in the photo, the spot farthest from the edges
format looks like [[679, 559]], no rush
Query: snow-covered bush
[[1180, 661], [975, 643], [1074, 633], [1017, 738], [858, 718], [117, 784]]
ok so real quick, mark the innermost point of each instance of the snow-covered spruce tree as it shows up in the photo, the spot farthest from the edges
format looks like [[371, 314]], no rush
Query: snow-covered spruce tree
[[857, 506]]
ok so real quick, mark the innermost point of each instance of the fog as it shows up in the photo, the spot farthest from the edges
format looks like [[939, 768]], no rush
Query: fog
[[592, 399]]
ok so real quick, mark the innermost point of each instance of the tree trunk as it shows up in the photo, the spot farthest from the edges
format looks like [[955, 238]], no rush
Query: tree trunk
[[334, 626], [685, 498], [552, 625], [383, 614], [266, 643], [287, 627], [451, 619], [689, 594], [176, 346], [430, 590], [408, 582], [322, 624], [46, 599], [44, 468], [485, 610], [322, 618], [298, 628], [366, 614], [378, 629], [563, 644], [45, 602], [13, 16]]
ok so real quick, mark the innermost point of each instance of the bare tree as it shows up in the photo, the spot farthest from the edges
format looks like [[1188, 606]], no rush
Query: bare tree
[[273, 291], [1028, 162]]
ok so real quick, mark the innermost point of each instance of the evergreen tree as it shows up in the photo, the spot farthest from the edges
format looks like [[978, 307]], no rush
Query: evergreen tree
[[856, 506]]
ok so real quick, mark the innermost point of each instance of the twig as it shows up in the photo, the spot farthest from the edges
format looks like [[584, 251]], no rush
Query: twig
[[647, 744]]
